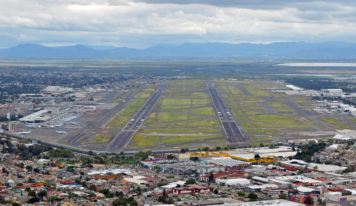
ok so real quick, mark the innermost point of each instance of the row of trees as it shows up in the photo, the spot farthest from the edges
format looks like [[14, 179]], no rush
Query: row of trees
[[25, 152], [60, 153]]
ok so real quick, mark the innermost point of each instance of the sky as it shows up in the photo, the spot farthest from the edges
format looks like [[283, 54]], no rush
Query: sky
[[145, 23]]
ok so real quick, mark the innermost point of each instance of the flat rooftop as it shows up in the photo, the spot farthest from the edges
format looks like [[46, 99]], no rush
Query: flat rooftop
[[266, 202]]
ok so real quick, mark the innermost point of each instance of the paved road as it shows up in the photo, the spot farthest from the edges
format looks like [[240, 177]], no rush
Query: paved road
[[123, 138], [243, 89], [98, 122], [232, 131]]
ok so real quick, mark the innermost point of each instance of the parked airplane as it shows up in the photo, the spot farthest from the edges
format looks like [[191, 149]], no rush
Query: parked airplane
[[24, 133], [60, 132]]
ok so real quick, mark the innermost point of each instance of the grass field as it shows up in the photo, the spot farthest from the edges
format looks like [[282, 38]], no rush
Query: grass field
[[255, 125], [336, 123], [279, 107], [171, 117], [124, 95], [185, 114], [185, 108], [131, 107], [262, 113], [274, 118], [260, 130], [143, 140], [200, 123], [352, 119], [172, 103], [203, 111], [256, 90], [302, 101], [102, 138], [182, 139], [178, 130]]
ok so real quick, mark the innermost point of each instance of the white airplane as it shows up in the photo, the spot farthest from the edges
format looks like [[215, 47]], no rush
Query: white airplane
[[24, 133], [60, 132]]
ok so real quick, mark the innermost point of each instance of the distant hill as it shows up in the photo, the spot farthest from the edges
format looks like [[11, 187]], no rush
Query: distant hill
[[285, 50]]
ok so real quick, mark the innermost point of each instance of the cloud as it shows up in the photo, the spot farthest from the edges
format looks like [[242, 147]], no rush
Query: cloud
[[143, 23], [250, 4]]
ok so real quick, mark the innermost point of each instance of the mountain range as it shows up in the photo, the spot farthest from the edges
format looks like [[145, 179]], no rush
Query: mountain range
[[273, 51]]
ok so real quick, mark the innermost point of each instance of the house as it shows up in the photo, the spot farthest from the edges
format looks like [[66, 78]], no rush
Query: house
[[191, 189]]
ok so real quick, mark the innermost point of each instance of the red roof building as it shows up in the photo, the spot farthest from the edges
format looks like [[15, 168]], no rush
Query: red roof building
[[191, 189]]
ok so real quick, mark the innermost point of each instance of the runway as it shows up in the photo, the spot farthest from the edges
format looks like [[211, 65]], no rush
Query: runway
[[232, 131], [123, 138], [98, 122]]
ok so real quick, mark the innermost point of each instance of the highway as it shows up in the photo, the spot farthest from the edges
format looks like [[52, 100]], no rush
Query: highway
[[98, 122], [123, 138], [232, 131]]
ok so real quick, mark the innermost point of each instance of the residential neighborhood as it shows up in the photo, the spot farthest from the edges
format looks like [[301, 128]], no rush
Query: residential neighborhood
[[317, 172]]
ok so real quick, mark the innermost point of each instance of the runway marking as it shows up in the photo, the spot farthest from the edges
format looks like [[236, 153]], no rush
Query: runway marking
[[139, 117], [232, 131], [93, 125]]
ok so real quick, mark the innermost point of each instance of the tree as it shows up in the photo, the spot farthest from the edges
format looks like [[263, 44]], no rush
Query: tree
[[252, 196], [92, 187], [54, 199], [4, 170], [309, 201], [157, 168], [21, 165], [241, 194], [190, 181], [33, 200], [307, 151], [32, 193], [64, 153], [142, 155], [164, 198], [183, 150], [211, 177], [71, 169], [195, 159], [283, 196], [170, 156], [119, 194], [29, 168], [107, 193], [161, 199], [42, 194], [124, 201]]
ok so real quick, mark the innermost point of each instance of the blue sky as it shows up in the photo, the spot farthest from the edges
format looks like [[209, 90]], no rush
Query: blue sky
[[143, 23]]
